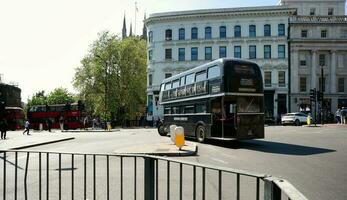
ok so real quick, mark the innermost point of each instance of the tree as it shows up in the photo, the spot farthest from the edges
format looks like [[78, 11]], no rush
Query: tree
[[39, 98], [118, 67], [59, 96]]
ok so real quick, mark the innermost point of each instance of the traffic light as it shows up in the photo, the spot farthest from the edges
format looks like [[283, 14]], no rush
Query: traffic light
[[319, 96], [313, 95]]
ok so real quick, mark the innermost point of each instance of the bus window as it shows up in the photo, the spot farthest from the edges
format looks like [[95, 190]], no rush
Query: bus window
[[168, 86], [248, 104], [175, 84], [201, 76], [213, 72], [200, 108], [188, 109], [182, 81], [216, 107], [175, 110], [167, 110], [244, 69], [189, 79]]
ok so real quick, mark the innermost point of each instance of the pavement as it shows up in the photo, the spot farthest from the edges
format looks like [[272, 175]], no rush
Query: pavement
[[161, 149], [16, 140]]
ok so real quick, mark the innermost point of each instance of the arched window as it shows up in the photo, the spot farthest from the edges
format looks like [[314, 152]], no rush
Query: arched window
[[237, 31], [194, 33], [181, 34], [267, 30], [252, 31], [168, 34], [222, 32], [208, 32]]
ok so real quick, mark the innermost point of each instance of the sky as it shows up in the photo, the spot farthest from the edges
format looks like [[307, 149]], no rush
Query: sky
[[43, 41]]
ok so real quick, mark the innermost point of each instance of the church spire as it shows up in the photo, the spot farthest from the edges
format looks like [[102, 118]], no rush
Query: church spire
[[144, 29], [131, 30], [124, 30]]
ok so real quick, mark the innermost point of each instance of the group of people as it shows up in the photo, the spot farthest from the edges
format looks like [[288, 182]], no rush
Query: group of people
[[341, 115]]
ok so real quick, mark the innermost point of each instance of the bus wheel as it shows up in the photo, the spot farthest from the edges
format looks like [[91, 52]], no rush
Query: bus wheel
[[161, 129], [200, 133]]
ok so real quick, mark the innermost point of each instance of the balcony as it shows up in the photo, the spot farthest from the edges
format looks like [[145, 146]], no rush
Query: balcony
[[318, 19]]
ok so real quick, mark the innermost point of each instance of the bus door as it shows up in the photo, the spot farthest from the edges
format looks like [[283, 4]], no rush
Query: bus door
[[217, 118]]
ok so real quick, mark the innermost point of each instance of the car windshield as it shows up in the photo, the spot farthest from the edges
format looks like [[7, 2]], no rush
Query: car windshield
[[288, 115]]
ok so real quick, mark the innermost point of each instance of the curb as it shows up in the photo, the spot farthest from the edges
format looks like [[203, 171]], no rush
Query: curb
[[168, 154], [43, 143]]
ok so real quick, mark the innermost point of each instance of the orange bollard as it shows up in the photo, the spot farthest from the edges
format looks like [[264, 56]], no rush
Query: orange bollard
[[179, 137]]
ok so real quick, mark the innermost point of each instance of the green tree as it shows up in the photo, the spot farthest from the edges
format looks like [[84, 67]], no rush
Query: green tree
[[118, 67], [59, 96], [39, 98]]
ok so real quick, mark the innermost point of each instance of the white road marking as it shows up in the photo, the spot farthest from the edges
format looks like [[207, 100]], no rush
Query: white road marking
[[218, 160]]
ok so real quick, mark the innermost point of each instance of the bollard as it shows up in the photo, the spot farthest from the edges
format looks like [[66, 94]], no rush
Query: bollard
[[109, 127], [172, 133], [41, 127], [308, 120], [179, 137]]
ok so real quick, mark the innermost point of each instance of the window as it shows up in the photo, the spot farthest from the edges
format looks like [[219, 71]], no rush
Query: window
[[281, 78], [323, 33], [267, 79], [281, 51], [237, 31], [213, 72], [222, 32], [168, 35], [302, 62], [320, 83], [189, 79], [200, 108], [208, 53], [321, 60], [194, 33], [168, 53], [208, 33], [182, 81], [150, 36], [168, 75], [252, 52], [175, 83], [237, 51], [175, 110], [281, 30], [194, 53], [304, 33], [150, 79], [167, 85], [189, 109], [303, 84], [181, 54], [167, 111], [330, 11], [222, 52], [201, 76], [267, 51], [267, 30], [341, 85], [252, 31], [312, 11], [181, 34], [150, 54]]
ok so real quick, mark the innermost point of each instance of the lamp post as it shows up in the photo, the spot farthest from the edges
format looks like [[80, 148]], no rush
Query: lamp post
[[322, 93], [106, 87]]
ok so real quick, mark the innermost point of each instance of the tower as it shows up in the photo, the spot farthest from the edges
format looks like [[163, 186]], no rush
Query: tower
[[144, 29], [124, 30], [131, 30]]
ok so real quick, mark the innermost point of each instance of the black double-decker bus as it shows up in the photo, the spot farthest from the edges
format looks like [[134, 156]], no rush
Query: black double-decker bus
[[222, 99]]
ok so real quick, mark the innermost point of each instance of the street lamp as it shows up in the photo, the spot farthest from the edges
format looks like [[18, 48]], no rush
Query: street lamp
[[322, 93], [106, 87]]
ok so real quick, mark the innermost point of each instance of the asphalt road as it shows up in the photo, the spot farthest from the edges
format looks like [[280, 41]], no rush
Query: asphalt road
[[312, 159]]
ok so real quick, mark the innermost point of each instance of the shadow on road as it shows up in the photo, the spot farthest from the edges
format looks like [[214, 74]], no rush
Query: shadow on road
[[272, 147], [11, 163]]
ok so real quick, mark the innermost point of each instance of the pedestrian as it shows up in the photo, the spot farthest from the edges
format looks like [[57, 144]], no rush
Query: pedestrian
[[94, 123], [61, 123], [343, 115], [338, 116], [26, 126], [85, 123], [49, 124], [3, 128]]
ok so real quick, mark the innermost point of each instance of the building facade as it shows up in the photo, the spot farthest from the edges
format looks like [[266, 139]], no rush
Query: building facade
[[178, 41], [10, 95], [318, 43]]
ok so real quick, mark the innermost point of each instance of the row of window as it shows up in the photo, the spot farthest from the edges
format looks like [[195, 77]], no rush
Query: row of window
[[194, 52], [268, 79], [313, 11], [303, 84], [322, 61], [222, 32], [323, 33], [210, 73], [187, 109]]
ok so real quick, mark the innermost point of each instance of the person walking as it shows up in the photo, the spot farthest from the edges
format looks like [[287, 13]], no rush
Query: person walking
[[49, 125], [338, 116], [26, 126], [3, 128], [61, 122], [343, 115]]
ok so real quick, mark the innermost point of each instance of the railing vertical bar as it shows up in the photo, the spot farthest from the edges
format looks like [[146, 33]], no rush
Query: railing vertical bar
[[72, 176], [168, 180], [238, 186], [258, 190], [85, 177], [59, 176], [40, 176], [135, 176], [47, 176], [108, 177], [15, 175], [156, 179], [94, 177], [181, 180], [203, 182], [219, 184], [4, 184], [26, 176], [194, 182], [121, 177]]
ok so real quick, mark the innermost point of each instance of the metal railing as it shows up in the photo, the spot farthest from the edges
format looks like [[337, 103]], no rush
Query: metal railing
[[56, 175]]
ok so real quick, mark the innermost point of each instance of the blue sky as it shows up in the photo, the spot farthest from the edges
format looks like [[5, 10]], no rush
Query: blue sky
[[43, 41]]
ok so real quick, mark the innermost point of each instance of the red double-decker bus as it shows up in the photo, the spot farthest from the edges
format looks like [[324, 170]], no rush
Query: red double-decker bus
[[14, 117], [72, 115]]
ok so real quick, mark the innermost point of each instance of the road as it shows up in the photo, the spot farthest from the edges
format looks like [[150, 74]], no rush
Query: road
[[312, 159]]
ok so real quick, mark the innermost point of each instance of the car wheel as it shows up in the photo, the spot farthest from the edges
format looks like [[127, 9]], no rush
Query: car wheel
[[161, 130], [200, 133], [297, 122]]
